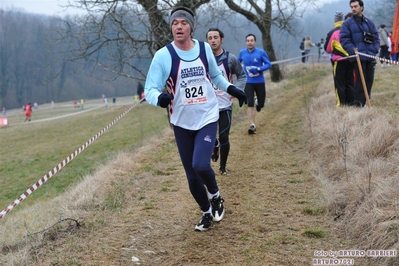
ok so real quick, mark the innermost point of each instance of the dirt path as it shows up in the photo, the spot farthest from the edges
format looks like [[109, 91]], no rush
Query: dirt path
[[271, 201], [265, 197]]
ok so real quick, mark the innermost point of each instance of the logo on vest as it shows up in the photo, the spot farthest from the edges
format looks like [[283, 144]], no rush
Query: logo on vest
[[192, 72]]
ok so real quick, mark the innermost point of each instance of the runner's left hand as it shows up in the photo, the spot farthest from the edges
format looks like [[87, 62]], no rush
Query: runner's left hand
[[239, 94]]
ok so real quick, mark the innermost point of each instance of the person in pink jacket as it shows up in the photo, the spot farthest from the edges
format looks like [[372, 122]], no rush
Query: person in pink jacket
[[342, 67]]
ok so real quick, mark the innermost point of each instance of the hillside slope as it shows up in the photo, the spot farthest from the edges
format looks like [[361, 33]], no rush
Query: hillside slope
[[142, 209]]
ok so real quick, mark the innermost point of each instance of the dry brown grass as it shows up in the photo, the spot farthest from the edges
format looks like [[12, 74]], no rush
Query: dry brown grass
[[355, 155], [286, 187]]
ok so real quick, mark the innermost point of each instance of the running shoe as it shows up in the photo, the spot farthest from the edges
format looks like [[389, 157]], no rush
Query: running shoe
[[224, 172], [205, 223], [252, 129], [217, 208]]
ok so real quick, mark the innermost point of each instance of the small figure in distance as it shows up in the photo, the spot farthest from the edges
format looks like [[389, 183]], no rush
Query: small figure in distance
[[28, 112]]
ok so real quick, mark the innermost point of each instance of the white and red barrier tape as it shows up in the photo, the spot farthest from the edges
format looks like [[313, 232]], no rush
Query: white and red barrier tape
[[62, 164], [379, 58], [346, 58], [370, 56]]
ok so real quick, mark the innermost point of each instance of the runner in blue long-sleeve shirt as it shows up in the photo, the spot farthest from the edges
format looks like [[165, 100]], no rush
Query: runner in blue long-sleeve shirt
[[255, 62]]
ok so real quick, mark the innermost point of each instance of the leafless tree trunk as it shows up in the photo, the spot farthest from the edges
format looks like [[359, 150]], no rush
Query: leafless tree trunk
[[5, 55]]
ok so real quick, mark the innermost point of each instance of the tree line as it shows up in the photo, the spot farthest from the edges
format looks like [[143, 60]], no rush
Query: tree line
[[33, 69], [48, 58]]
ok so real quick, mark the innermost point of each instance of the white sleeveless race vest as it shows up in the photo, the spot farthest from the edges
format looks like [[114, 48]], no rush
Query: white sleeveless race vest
[[194, 103], [223, 97]]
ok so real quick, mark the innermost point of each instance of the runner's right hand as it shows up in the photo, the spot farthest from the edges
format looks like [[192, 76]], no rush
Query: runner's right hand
[[164, 99]]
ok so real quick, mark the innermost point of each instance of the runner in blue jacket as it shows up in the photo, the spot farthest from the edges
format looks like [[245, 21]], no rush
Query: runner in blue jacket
[[255, 62]]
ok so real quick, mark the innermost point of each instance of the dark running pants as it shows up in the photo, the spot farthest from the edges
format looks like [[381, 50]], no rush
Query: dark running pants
[[195, 149], [368, 68], [384, 53], [344, 82], [224, 130], [255, 88]]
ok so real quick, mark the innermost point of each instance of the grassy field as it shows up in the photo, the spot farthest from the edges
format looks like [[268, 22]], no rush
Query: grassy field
[[29, 150]]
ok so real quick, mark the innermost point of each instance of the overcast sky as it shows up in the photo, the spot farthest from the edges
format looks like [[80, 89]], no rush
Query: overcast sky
[[53, 7], [48, 7]]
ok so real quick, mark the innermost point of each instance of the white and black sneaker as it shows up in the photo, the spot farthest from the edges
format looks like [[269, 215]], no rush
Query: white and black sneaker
[[217, 208], [252, 129], [205, 223]]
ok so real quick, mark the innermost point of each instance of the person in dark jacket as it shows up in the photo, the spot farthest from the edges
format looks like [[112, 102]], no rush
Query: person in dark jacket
[[140, 90], [302, 48], [360, 32]]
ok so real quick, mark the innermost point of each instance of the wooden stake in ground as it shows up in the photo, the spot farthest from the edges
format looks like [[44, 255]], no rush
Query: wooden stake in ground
[[366, 94]]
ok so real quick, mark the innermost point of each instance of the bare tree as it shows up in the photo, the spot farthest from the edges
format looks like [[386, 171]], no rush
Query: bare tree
[[118, 35], [5, 55], [18, 56], [384, 12], [267, 13]]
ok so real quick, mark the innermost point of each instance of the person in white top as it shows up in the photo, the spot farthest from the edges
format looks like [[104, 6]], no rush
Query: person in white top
[[230, 67], [187, 67]]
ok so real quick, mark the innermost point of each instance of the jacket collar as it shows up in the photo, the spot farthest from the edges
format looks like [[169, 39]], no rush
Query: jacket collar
[[338, 24]]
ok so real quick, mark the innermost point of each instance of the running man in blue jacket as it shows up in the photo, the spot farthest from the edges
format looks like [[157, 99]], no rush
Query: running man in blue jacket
[[255, 62]]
